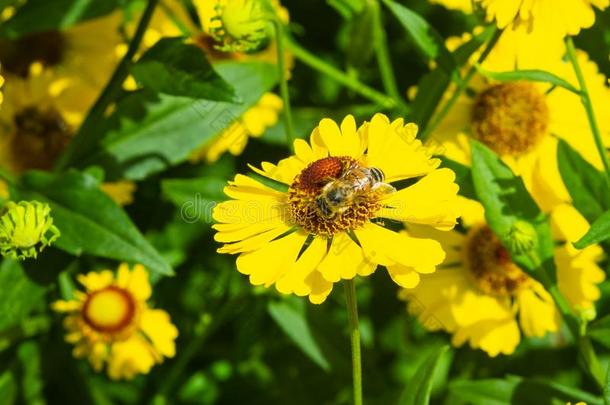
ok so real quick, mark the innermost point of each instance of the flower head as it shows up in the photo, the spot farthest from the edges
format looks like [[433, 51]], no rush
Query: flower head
[[26, 228], [522, 121], [331, 218], [521, 237], [242, 25], [111, 323], [482, 297]]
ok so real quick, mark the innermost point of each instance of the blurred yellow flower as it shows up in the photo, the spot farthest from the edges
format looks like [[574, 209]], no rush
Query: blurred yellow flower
[[481, 297], [37, 121], [26, 228], [328, 225], [1, 84], [111, 323], [120, 191], [522, 121], [81, 58], [259, 117], [563, 17]]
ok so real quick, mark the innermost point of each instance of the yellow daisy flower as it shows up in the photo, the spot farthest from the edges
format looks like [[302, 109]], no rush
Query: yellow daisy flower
[[563, 17], [333, 221], [462, 5], [82, 59], [262, 115], [481, 297], [112, 325], [35, 126], [522, 121]]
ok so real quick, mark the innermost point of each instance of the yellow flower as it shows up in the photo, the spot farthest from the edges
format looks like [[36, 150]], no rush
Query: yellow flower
[[481, 297], [563, 17], [26, 228], [462, 5], [252, 123], [81, 58], [1, 95], [522, 121], [111, 323], [330, 223]]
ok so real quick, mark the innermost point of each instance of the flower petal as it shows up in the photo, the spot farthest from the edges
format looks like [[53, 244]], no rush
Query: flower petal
[[344, 260]]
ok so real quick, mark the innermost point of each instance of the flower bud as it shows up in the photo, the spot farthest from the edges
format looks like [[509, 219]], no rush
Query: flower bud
[[26, 228], [521, 238], [242, 25]]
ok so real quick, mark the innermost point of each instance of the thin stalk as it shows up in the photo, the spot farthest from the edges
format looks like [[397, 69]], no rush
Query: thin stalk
[[586, 102], [383, 54], [279, 38], [337, 75], [354, 331], [438, 118], [109, 94]]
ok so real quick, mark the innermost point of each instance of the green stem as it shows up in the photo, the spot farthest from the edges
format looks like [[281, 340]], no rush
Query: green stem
[[83, 142], [586, 102], [279, 38], [382, 53], [354, 331], [340, 77], [585, 348], [228, 310], [438, 118]]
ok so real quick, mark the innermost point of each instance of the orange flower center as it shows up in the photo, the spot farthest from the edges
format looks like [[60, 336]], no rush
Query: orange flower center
[[110, 310], [331, 195], [40, 136], [45, 47], [510, 118], [490, 264]]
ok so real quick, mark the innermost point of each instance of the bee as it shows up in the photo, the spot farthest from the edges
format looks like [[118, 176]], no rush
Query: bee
[[338, 195]]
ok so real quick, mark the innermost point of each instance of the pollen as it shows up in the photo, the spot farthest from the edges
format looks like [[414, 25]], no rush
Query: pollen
[[110, 310], [308, 185], [510, 118], [490, 264]]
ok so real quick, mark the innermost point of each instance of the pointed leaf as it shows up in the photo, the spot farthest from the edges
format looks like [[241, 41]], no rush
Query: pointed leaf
[[419, 388]]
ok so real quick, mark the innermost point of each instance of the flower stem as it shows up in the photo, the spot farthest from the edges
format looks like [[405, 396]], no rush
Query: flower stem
[[586, 102], [279, 38], [382, 53], [438, 118], [84, 142], [340, 77], [354, 331]]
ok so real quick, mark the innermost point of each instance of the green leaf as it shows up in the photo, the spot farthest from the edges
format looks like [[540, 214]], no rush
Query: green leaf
[[175, 68], [432, 86], [586, 184], [515, 390], [361, 37], [18, 295], [149, 133], [528, 75], [196, 198], [506, 201], [424, 35], [291, 319], [598, 232], [32, 384], [44, 15], [419, 387], [606, 390], [89, 221], [600, 331]]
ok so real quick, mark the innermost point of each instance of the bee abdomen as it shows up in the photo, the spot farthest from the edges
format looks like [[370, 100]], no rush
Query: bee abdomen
[[377, 174]]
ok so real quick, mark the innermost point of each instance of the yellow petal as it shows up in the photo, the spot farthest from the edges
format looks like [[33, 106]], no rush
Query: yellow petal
[[344, 260], [294, 278], [157, 326], [431, 201], [537, 312]]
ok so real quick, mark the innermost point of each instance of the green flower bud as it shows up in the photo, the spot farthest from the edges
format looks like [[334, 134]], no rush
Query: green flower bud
[[242, 25], [26, 229], [521, 238]]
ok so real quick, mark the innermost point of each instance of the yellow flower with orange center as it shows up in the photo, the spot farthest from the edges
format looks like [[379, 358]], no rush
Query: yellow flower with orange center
[[332, 216], [112, 325], [484, 299]]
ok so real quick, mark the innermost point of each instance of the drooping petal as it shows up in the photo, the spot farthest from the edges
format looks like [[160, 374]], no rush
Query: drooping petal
[[431, 201], [344, 260], [537, 312]]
